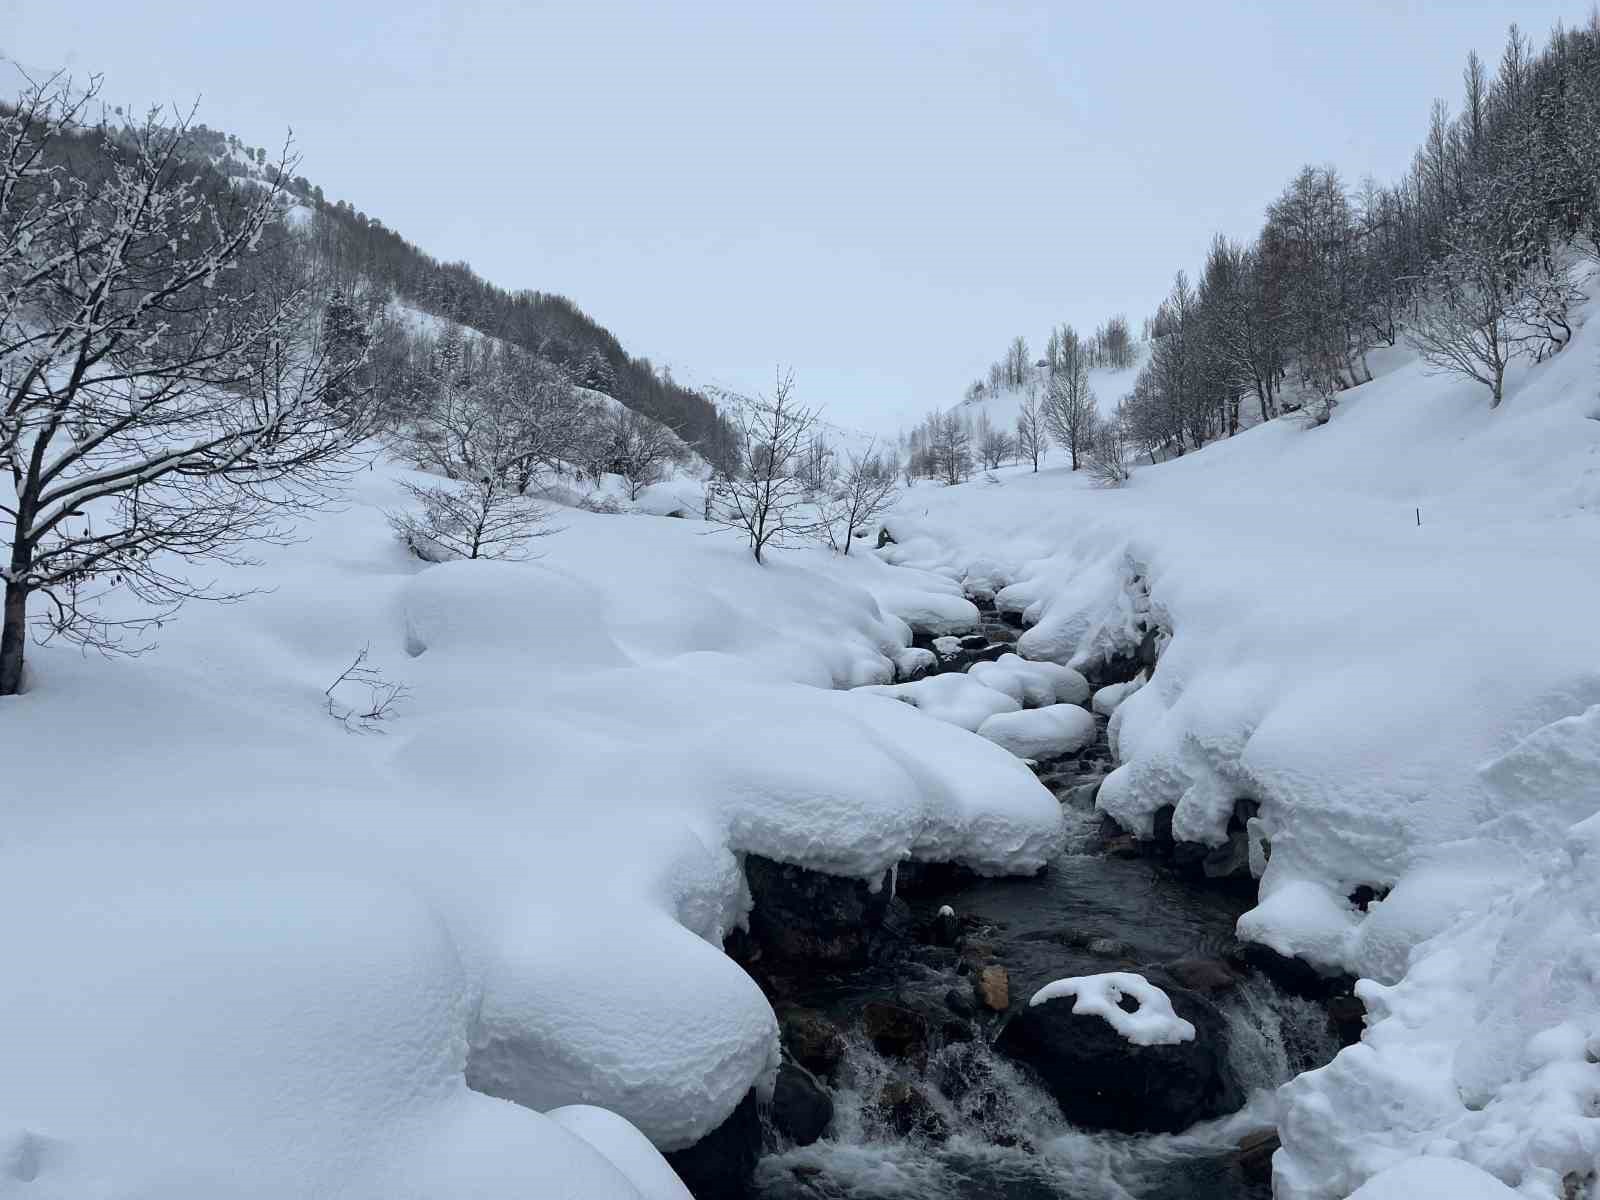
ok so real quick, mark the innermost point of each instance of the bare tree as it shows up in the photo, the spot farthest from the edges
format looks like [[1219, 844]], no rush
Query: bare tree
[[949, 446], [640, 449], [1471, 305], [479, 518], [765, 498], [994, 445], [503, 414], [816, 465], [1017, 366], [1110, 453], [864, 489], [1069, 404], [1033, 442], [157, 407]]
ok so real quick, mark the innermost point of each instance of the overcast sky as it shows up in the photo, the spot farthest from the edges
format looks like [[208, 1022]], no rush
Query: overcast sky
[[880, 195]]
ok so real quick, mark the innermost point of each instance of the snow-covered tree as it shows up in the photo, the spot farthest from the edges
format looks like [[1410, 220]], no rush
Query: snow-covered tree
[[486, 517], [169, 392], [640, 449]]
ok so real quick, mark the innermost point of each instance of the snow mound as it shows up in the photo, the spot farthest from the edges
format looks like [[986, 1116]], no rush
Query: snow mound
[[1032, 684], [1107, 699], [1430, 1177], [1041, 733], [1153, 1023], [954, 698], [624, 1147]]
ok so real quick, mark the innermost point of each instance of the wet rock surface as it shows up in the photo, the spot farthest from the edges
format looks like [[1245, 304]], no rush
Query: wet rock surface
[[721, 1164], [1103, 1081], [895, 1005], [802, 1107]]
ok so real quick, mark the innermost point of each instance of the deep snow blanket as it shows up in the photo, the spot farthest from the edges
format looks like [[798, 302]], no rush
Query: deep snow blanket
[[253, 954], [1381, 630]]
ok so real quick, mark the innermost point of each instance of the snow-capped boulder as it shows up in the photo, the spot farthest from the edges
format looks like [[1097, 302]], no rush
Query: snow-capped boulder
[[1107, 699], [1041, 733], [957, 699], [1032, 684], [1119, 1053]]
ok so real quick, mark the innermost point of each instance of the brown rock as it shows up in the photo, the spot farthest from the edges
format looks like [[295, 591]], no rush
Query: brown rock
[[1255, 1154], [812, 1040], [1123, 845], [993, 986], [1204, 975]]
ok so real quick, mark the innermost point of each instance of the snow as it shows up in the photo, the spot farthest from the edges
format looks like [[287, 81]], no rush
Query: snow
[[260, 955], [625, 1147], [1041, 733], [953, 698], [1414, 707], [1426, 1178], [1032, 684], [1107, 699], [1153, 1023]]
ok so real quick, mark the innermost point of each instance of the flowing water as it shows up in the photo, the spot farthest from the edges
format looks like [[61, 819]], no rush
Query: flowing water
[[995, 1132]]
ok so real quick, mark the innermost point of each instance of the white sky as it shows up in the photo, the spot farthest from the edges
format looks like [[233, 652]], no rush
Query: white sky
[[879, 195]]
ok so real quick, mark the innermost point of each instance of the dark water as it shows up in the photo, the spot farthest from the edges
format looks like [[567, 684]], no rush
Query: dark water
[[1086, 913]]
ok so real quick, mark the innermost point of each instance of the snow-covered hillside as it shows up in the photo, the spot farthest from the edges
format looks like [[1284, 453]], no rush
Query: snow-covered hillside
[[1110, 385], [1381, 632]]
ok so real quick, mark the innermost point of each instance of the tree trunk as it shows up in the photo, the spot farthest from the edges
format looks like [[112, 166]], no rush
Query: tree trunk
[[13, 638]]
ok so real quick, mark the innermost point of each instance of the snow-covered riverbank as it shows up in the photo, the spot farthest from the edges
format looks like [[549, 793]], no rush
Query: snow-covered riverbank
[[1409, 703], [255, 954]]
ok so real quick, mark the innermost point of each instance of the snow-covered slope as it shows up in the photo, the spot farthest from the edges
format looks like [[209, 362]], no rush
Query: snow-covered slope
[[1411, 705], [1109, 387], [252, 954]]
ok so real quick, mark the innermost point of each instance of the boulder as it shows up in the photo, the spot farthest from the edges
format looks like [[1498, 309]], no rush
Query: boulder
[[1255, 1156], [812, 1041], [946, 927], [893, 1030], [810, 917], [802, 1109], [1103, 1081], [720, 1165], [993, 988], [1208, 976]]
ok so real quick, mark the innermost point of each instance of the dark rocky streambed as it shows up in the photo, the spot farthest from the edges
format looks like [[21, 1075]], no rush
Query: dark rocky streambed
[[892, 1004]]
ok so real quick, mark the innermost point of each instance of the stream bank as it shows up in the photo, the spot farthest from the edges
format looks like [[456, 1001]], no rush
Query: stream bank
[[892, 1000]]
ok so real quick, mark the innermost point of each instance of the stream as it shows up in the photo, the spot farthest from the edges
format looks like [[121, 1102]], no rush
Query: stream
[[966, 1122]]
